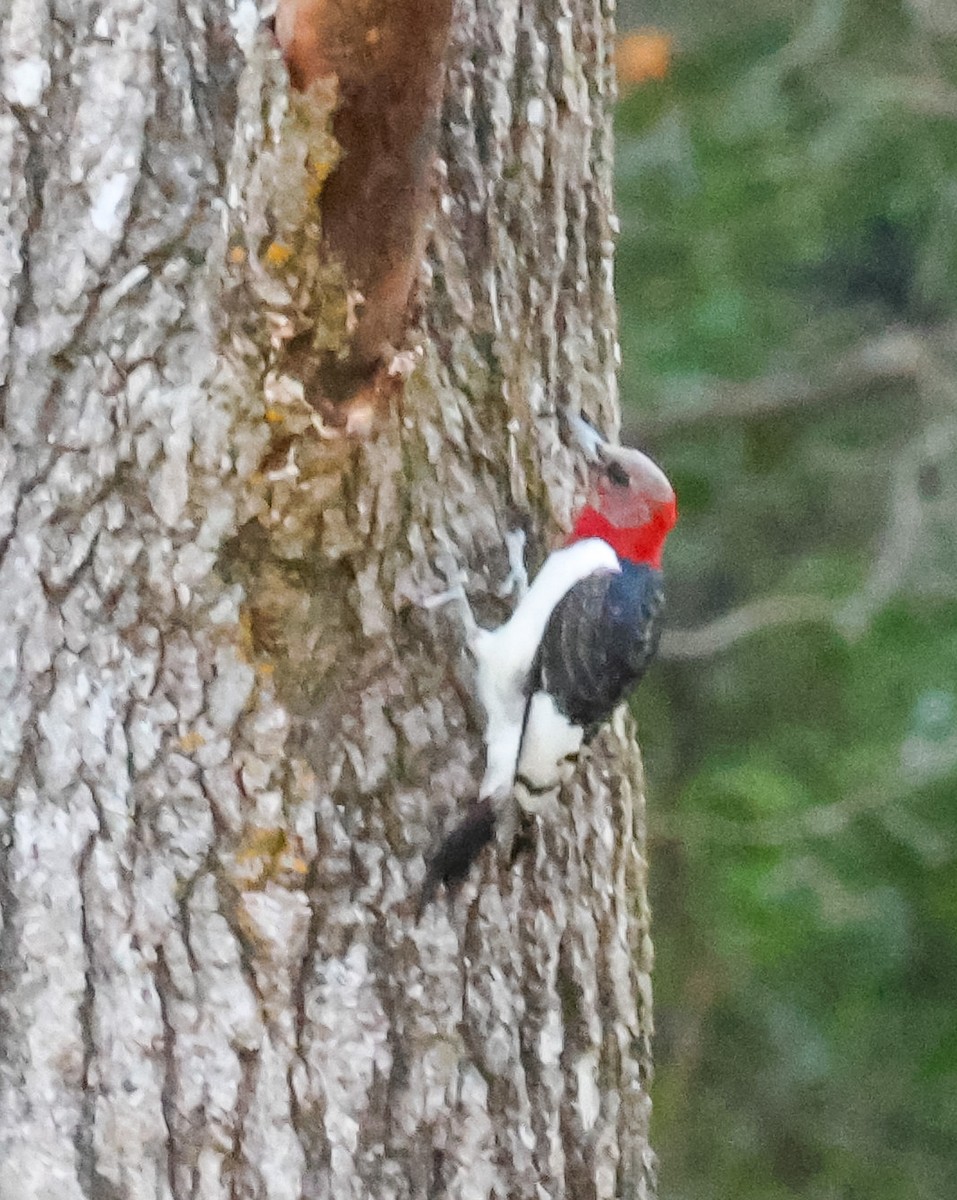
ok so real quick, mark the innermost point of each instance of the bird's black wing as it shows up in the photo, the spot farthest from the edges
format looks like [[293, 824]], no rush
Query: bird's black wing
[[599, 641]]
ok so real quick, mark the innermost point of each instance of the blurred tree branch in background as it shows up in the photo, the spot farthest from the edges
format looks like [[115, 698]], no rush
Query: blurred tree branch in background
[[895, 358], [890, 359], [755, 617]]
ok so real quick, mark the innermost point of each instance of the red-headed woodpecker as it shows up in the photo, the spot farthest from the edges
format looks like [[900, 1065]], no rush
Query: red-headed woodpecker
[[579, 640]]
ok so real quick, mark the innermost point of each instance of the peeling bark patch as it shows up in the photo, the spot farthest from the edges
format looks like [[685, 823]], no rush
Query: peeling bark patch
[[388, 60]]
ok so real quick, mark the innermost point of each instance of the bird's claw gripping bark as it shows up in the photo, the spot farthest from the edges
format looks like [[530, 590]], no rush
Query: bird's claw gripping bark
[[515, 582], [517, 578]]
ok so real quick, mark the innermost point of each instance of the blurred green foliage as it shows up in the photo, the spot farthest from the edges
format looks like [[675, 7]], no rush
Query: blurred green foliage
[[788, 196]]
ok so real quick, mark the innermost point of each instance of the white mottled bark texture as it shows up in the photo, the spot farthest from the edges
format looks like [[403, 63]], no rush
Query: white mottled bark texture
[[228, 730]]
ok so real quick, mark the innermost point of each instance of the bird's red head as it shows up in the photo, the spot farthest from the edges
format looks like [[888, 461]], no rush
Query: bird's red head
[[631, 505]]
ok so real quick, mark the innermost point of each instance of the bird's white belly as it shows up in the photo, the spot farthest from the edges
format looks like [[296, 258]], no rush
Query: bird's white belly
[[549, 749]]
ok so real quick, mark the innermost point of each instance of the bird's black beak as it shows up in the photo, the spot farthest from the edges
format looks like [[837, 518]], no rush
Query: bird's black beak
[[630, 467], [587, 437]]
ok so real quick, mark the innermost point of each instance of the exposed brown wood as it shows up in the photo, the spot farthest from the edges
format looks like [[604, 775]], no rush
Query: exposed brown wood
[[387, 56]]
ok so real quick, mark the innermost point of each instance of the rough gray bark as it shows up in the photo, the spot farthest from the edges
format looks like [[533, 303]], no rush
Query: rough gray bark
[[228, 730]]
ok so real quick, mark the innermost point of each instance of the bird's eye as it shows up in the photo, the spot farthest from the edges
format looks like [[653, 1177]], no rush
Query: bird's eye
[[618, 475]]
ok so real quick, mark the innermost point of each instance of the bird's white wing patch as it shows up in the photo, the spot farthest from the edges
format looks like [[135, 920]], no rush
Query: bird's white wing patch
[[500, 687]]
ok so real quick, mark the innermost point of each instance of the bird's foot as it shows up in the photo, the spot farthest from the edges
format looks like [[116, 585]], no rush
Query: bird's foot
[[517, 578]]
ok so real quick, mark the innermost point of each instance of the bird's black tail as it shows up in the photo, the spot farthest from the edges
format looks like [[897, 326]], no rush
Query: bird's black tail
[[451, 862]]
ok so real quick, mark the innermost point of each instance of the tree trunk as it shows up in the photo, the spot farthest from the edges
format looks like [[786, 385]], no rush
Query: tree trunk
[[229, 731]]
